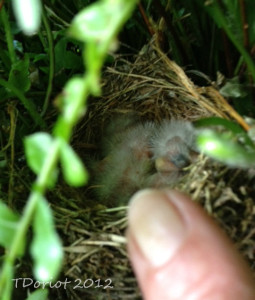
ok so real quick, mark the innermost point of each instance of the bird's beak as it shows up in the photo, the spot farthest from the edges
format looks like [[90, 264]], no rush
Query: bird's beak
[[176, 163], [164, 165]]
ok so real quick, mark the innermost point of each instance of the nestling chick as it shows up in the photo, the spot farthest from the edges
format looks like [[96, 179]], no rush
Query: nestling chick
[[125, 168], [144, 155], [173, 145]]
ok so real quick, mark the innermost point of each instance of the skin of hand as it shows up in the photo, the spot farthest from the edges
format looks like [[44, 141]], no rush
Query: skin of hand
[[178, 252]]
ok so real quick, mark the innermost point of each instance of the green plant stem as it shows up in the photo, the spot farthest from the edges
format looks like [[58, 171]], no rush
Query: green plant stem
[[27, 104], [73, 107], [49, 166], [51, 66], [217, 14], [241, 49], [53, 15], [8, 270], [41, 37], [34, 198], [8, 33], [37, 192]]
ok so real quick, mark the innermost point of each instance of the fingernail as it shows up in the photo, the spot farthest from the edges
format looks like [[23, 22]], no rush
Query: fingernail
[[156, 225]]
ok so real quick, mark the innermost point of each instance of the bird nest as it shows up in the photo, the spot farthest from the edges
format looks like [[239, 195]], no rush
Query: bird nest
[[154, 88]]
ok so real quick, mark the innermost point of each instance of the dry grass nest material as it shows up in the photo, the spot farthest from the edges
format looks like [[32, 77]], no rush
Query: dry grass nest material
[[156, 88]]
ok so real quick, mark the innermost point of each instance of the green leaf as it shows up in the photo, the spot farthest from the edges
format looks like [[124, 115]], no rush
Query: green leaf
[[30, 107], [225, 148], [28, 15], [74, 171], [8, 284], [37, 147], [95, 59], [46, 248], [19, 74], [66, 59], [232, 126], [18, 46], [250, 8], [233, 89], [3, 161], [8, 227], [101, 21], [40, 294], [98, 25], [72, 100], [216, 121], [95, 22], [227, 16]]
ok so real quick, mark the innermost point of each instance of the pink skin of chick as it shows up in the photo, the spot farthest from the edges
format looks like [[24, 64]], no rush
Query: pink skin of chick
[[124, 170], [173, 148], [173, 144], [144, 155]]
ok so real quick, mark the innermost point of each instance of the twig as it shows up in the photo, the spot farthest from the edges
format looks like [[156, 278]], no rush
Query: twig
[[245, 24], [146, 20]]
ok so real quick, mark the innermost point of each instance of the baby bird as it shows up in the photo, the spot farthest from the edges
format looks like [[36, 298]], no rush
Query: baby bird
[[127, 164], [144, 155], [172, 145]]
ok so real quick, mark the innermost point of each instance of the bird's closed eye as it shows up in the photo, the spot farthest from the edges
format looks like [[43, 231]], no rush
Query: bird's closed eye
[[180, 160]]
